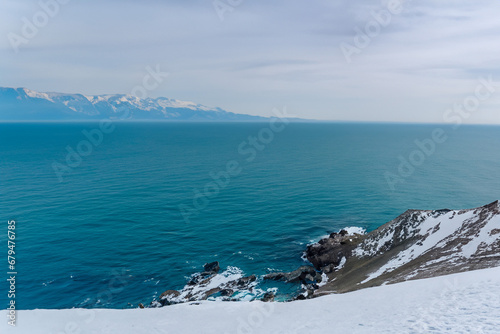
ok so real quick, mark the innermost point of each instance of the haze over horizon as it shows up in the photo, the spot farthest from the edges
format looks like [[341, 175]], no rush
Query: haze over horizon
[[252, 56]]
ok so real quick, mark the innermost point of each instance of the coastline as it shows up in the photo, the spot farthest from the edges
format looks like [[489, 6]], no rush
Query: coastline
[[415, 245], [431, 264]]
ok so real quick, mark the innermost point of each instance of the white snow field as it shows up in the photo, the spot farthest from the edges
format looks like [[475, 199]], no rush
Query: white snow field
[[467, 302]]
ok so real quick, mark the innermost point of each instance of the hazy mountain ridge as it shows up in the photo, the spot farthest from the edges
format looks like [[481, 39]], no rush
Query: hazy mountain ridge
[[25, 104]]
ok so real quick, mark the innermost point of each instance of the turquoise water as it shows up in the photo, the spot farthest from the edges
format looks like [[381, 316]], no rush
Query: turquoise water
[[111, 232]]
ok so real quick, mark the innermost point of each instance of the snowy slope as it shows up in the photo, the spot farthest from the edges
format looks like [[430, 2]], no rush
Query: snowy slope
[[460, 303], [417, 244]]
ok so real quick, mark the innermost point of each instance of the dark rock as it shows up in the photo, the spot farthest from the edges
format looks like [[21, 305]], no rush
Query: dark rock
[[328, 269], [170, 293], [200, 288], [298, 275], [275, 276], [226, 292], [306, 294], [244, 281], [212, 267], [309, 278], [141, 305], [310, 292], [268, 297], [201, 278], [210, 292], [167, 298], [206, 279], [331, 250], [300, 297]]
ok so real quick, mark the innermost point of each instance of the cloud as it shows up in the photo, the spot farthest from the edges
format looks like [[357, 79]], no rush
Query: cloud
[[264, 54]]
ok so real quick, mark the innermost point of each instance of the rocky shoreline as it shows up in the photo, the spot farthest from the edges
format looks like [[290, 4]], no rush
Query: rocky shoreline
[[417, 244]]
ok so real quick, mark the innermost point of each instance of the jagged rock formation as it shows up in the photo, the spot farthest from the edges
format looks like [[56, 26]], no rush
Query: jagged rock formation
[[304, 275], [209, 283], [330, 252], [417, 244]]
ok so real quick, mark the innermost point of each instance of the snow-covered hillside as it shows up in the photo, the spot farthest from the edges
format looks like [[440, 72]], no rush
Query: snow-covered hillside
[[417, 244], [460, 303], [26, 104]]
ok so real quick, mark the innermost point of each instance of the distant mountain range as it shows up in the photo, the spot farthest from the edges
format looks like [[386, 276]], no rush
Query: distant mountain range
[[24, 104]]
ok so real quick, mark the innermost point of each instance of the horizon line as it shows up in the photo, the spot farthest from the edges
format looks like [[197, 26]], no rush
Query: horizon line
[[264, 120]]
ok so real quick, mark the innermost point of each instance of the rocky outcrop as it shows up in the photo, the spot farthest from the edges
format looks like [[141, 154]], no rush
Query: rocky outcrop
[[169, 297], [212, 267], [206, 284], [304, 275], [417, 244], [329, 252], [210, 270]]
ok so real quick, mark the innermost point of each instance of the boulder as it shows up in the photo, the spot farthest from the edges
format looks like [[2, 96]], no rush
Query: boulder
[[299, 275], [330, 251], [201, 278], [168, 297], [268, 297], [170, 294], [245, 281], [306, 294], [212, 267], [226, 292], [328, 269]]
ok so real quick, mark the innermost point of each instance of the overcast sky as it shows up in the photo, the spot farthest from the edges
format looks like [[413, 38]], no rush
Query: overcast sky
[[254, 55]]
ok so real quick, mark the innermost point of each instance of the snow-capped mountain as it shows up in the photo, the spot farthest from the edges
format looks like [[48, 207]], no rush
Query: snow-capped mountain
[[417, 244], [26, 104]]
